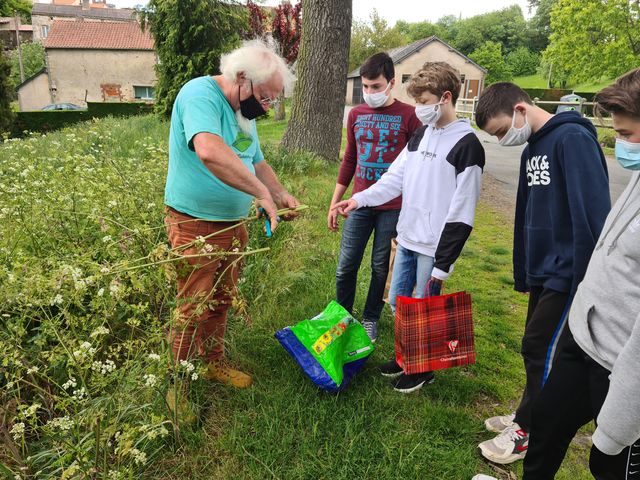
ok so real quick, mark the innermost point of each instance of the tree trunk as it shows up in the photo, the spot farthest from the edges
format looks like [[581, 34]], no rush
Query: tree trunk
[[315, 123], [279, 112]]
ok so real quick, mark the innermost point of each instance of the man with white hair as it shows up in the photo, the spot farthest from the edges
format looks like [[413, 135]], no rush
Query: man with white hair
[[216, 169]]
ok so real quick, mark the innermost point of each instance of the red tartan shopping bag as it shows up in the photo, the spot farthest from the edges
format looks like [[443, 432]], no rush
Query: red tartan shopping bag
[[434, 333]]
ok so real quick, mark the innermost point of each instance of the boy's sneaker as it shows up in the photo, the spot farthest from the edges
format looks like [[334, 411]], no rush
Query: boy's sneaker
[[371, 328], [482, 476], [500, 423], [391, 369], [411, 383], [508, 447]]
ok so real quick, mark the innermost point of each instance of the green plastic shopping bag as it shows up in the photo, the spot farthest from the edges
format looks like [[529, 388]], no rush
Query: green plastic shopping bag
[[331, 347]]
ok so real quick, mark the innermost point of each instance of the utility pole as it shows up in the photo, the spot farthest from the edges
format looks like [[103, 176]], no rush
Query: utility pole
[[17, 23]]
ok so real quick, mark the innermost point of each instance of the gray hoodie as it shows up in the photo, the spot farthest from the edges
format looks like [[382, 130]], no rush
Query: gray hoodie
[[605, 320]]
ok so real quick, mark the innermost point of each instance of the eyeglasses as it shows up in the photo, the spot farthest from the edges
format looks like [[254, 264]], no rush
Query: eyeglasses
[[268, 101], [265, 101]]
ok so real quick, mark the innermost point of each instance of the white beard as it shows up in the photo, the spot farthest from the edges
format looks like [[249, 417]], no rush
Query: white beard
[[243, 123]]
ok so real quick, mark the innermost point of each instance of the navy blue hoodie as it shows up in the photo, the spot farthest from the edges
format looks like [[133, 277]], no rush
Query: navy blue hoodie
[[563, 201]]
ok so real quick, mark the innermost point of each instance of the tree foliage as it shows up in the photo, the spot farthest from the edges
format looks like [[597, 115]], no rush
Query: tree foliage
[[6, 114], [539, 27], [419, 30], [594, 39], [190, 36], [8, 8], [506, 27], [523, 61], [32, 62], [489, 55], [372, 37]]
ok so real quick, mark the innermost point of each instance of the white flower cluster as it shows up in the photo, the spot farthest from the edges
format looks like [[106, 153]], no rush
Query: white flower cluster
[[154, 356], [150, 380], [189, 367], [115, 288], [30, 411], [34, 369], [75, 273], [17, 431], [63, 424], [105, 367], [57, 300], [138, 456], [154, 431], [85, 351], [71, 383], [99, 331], [80, 393]]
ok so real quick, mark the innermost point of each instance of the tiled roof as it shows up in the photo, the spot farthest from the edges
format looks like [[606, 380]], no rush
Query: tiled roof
[[50, 10], [400, 53], [98, 36]]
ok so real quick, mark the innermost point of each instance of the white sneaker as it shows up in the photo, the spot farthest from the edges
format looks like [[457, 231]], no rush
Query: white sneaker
[[499, 424], [482, 476], [508, 447]]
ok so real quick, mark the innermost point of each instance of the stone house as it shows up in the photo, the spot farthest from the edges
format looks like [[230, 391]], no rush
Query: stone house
[[93, 62], [408, 59]]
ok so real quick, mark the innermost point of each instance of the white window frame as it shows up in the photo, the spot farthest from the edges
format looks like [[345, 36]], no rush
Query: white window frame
[[148, 89]]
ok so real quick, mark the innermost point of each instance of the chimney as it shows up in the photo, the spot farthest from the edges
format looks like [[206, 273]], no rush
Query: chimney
[[86, 4]]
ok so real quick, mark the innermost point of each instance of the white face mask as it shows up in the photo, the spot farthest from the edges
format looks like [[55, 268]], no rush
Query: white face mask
[[429, 114], [516, 136], [378, 99]]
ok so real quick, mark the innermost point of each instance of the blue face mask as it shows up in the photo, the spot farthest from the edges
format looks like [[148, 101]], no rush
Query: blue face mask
[[628, 154]]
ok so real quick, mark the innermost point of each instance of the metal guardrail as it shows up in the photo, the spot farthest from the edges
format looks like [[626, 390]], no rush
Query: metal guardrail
[[467, 106]]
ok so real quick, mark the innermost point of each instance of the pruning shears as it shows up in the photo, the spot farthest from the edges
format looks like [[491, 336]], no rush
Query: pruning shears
[[267, 222]]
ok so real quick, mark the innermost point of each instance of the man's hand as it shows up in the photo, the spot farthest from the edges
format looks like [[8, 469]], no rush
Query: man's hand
[[345, 206], [332, 219], [286, 200], [270, 208]]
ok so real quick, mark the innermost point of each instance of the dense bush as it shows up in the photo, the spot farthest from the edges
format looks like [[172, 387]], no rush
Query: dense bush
[[50, 120]]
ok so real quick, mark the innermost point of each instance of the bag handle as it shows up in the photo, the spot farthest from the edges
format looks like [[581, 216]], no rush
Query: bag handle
[[434, 289]]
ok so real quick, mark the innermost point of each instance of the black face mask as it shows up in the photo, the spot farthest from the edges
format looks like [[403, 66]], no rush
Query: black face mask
[[250, 107]]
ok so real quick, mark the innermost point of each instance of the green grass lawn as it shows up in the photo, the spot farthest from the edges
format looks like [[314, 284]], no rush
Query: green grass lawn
[[284, 427], [537, 81]]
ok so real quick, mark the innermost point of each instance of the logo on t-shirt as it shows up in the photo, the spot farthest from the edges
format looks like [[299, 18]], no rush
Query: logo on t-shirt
[[538, 171], [242, 142], [377, 141]]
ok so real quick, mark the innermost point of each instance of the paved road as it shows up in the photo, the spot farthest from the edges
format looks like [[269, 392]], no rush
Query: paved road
[[503, 164]]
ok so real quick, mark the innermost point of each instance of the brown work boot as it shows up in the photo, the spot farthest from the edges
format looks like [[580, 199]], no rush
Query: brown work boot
[[223, 373], [179, 406]]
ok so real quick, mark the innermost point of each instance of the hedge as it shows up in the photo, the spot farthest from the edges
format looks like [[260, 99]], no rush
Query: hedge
[[49, 120]]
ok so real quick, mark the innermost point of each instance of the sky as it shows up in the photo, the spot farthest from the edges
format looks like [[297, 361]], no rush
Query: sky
[[409, 10]]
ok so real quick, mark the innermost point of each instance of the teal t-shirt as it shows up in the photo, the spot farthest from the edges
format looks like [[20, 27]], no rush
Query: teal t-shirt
[[191, 188]]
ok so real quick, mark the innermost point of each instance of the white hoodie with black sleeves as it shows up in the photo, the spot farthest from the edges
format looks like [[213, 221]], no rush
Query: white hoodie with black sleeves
[[439, 175]]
